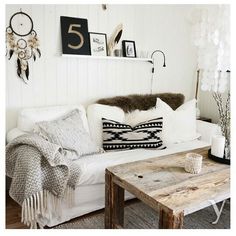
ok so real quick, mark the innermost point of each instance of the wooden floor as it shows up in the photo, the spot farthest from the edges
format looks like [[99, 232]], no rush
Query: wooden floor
[[13, 215], [135, 210]]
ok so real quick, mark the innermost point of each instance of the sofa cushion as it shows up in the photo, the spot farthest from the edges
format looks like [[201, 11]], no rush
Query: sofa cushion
[[179, 125], [29, 116], [95, 113], [92, 170], [68, 131], [118, 135]]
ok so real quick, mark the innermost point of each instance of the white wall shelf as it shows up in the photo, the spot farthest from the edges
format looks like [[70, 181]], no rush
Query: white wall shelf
[[108, 57]]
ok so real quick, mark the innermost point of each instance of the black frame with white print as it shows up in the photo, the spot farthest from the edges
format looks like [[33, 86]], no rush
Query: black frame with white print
[[128, 52], [98, 45]]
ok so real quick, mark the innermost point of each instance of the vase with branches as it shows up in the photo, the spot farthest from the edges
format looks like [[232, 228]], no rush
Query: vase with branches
[[224, 119]]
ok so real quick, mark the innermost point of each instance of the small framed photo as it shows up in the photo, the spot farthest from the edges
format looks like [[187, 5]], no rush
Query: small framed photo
[[98, 44], [129, 49]]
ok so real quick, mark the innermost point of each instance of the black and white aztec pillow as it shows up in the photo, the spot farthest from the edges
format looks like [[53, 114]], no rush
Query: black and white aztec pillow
[[117, 135]]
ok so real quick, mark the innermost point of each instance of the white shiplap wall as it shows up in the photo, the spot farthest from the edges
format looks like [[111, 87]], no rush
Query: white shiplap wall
[[56, 80]]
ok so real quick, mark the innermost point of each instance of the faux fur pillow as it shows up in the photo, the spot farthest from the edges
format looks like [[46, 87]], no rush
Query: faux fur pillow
[[68, 131]]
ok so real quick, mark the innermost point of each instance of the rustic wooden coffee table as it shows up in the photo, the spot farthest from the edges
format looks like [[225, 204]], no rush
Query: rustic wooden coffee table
[[163, 184]]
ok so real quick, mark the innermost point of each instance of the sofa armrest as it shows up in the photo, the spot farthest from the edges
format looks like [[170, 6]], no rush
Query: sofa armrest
[[14, 133], [207, 130]]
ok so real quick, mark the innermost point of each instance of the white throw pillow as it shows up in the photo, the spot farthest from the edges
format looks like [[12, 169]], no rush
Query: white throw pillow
[[95, 113], [178, 125]]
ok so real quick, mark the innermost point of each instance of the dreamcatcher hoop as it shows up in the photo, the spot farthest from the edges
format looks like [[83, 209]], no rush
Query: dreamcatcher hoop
[[30, 19]]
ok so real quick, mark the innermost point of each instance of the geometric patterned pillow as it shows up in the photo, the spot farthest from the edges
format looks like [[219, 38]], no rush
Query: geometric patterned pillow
[[122, 136]]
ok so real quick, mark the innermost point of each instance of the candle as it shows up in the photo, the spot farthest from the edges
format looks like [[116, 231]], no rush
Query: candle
[[218, 146], [193, 163]]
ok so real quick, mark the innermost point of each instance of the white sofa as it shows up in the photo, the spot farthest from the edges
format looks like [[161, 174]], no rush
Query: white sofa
[[89, 194]]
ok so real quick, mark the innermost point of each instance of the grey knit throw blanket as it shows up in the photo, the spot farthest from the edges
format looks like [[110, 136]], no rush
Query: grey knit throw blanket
[[40, 173]]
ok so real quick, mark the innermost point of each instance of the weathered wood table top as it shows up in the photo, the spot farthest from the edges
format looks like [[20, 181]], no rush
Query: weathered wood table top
[[163, 184]]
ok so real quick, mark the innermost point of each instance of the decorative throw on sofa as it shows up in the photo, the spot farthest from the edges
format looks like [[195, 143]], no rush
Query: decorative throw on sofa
[[39, 171], [121, 136]]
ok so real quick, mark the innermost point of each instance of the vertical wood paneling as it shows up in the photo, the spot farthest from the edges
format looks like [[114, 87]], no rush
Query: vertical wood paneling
[[93, 80], [55, 80], [61, 63], [72, 70], [82, 65], [13, 83], [38, 77], [50, 54]]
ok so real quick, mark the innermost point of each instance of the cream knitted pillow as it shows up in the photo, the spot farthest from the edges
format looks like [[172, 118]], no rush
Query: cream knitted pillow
[[68, 131]]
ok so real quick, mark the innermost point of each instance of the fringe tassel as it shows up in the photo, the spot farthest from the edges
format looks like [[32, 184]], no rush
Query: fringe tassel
[[37, 204]]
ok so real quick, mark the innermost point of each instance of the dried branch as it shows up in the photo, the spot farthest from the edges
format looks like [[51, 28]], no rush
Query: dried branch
[[224, 114]]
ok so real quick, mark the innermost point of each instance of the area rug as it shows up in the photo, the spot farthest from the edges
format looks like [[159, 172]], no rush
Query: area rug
[[140, 216]]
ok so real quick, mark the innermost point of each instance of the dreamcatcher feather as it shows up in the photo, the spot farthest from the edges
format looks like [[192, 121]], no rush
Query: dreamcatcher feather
[[114, 39], [24, 46]]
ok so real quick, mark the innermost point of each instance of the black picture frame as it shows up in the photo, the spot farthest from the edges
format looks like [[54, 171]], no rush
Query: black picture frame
[[98, 44], [129, 49], [74, 35]]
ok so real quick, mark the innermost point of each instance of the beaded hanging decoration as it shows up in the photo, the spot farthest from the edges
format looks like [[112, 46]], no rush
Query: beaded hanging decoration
[[22, 40]]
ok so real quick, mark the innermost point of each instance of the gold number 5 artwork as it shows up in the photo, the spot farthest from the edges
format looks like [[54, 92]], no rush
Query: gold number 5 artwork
[[74, 31], [74, 35]]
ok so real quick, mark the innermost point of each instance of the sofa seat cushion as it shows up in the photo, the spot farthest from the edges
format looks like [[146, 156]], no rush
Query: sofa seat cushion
[[93, 166]]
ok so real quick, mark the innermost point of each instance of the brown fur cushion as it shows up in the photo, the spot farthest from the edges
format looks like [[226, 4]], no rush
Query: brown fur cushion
[[143, 102]]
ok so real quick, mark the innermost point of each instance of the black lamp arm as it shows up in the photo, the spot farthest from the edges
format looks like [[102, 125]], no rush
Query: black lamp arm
[[164, 56]]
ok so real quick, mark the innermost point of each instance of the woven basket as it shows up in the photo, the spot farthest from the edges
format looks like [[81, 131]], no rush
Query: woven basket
[[193, 163]]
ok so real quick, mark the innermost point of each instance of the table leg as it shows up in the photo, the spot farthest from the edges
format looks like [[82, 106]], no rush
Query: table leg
[[167, 220], [114, 203]]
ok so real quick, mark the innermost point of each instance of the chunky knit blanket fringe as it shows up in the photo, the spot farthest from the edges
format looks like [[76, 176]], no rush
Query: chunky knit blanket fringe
[[37, 205], [42, 177]]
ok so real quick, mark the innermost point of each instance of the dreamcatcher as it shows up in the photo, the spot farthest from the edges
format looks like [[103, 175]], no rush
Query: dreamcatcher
[[22, 40]]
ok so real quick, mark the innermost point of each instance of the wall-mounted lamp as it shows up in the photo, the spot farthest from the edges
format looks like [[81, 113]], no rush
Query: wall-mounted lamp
[[153, 65]]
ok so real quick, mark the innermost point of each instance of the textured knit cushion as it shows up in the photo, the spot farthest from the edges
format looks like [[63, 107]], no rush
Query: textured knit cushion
[[121, 136], [68, 131]]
